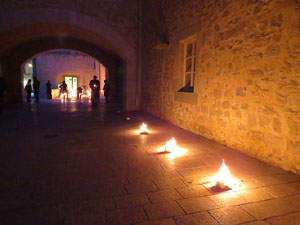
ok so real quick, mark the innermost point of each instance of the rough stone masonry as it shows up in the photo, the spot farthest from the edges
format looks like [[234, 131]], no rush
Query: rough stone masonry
[[246, 93]]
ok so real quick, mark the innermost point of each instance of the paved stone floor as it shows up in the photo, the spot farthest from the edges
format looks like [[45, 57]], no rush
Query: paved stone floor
[[69, 164]]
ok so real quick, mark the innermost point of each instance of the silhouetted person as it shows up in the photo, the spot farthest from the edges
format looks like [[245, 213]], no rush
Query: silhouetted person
[[3, 88], [36, 89], [106, 91], [63, 89], [28, 89], [79, 92], [84, 89], [95, 87], [48, 90]]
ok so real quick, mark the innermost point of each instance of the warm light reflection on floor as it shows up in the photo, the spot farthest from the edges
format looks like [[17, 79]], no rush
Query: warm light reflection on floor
[[176, 153]]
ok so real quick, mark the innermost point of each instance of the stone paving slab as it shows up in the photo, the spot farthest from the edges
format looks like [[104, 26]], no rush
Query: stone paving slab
[[126, 201], [231, 215], [201, 218], [126, 216], [227, 199], [257, 223], [282, 190], [293, 218], [256, 195], [163, 210], [274, 207], [193, 191], [82, 166], [159, 222], [164, 196], [192, 205]]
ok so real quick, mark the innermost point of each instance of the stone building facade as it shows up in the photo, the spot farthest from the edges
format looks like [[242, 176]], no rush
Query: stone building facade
[[243, 75], [56, 65], [247, 79]]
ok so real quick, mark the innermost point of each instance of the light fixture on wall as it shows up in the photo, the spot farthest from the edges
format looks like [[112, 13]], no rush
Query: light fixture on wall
[[161, 46], [164, 43]]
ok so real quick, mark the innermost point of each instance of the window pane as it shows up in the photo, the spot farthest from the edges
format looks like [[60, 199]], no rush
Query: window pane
[[189, 50], [195, 48], [188, 79], [188, 66], [74, 82], [195, 64], [69, 82]]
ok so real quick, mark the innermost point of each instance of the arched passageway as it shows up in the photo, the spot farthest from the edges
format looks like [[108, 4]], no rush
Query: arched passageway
[[75, 68], [22, 53], [23, 39]]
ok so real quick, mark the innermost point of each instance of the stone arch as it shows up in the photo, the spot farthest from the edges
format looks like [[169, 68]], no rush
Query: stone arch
[[65, 29]]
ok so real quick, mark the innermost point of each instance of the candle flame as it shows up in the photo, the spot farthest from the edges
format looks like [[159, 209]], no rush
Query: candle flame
[[173, 150], [171, 145], [224, 177], [223, 181], [143, 129]]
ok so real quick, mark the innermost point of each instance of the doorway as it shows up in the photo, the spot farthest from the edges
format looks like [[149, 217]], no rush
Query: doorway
[[71, 82]]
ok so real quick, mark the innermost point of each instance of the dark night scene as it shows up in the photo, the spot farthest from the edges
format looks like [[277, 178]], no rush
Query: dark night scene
[[150, 112]]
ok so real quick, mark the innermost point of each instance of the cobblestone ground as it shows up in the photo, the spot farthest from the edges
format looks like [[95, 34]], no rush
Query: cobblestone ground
[[68, 164]]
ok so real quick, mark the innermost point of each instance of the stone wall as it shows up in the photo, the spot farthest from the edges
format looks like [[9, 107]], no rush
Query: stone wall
[[119, 15], [247, 93]]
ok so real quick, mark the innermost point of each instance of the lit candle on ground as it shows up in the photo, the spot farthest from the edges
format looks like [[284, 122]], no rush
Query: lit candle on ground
[[172, 150], [144, 129]]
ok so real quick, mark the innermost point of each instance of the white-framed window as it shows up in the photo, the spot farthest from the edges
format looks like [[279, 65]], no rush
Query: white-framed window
[[190, 56]]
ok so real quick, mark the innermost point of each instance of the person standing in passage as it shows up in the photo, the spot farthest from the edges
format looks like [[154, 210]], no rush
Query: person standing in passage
[[95, 87], [3, 88], [28, 89], [63, 90], [106, 91], [36, 89], [79, 92], [48, 89]]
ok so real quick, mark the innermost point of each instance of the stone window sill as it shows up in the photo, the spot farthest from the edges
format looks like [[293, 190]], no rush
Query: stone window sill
[[186, 97]]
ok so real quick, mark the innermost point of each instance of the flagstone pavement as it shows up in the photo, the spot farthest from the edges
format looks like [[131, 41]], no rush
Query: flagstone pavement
[[69, 164]]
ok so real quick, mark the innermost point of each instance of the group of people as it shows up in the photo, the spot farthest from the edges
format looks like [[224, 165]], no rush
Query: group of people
[[36, 89], [95, 91], [94, 85], [35, 86]]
